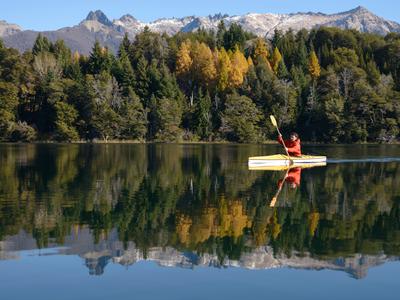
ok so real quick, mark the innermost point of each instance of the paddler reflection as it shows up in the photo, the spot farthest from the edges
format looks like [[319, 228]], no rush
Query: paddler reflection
[[292, 178]]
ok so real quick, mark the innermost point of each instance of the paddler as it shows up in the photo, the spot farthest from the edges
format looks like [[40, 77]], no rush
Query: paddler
[[292, 144]]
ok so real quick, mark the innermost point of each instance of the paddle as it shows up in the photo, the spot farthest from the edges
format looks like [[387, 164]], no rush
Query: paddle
[[273, 201], [273, 121]]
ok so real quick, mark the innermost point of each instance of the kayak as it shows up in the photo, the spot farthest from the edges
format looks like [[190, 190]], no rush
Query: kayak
[[280, 160], [284, 168]]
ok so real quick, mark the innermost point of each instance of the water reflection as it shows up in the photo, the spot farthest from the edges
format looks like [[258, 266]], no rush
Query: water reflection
[[197, 205]]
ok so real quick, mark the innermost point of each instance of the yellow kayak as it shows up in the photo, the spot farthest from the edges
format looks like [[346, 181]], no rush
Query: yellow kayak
[[279, 160]]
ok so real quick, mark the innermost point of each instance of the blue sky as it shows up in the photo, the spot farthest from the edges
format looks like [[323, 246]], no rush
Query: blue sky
[[52, 14]]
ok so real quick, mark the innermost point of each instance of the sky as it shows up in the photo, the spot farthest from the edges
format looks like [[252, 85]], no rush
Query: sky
[[52, 14]]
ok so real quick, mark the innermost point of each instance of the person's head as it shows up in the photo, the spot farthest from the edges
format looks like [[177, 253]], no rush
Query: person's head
[[293, 185], [294, 136]]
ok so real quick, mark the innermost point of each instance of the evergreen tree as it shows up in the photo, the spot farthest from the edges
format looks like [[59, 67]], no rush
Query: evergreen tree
[[133, 117], [42, 44], [100, 59], [235, 36], [203, 116], [123, 72], [282, 70], [220, 34], [66, 116], [167, 120], [240, 119], [8, 109], [142, 81]]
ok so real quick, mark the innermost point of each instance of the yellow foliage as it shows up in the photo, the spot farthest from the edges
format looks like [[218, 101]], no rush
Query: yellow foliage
[[276, 59], [203, 63], [250, 62], [224, 68], [228, 219], [183, 225], [313, 220], [183, 59], [104, 50], [76, 56], [239, 67], [261, 53], [276, 227], [313, 66]]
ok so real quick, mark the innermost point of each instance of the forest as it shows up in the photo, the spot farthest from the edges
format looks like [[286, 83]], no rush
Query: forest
[[327, 84]]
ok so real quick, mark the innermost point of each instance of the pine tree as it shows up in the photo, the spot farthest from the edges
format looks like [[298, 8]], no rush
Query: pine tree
[[123, 72], [373, 73], [42, 44], [125, 46], [240, 119], [220, 34], [134, 117], [142, 81], [203, 116], [167, 120], [100, 59], [8, 108], [282, 70], [234, 37], [65, 119]]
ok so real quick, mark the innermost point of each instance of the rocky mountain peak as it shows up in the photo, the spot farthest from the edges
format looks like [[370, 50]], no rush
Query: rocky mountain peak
[[360, 9], [7, 29], [98, 16]]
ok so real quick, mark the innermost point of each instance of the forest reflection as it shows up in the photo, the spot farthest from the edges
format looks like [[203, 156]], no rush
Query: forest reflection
[[197, 198]]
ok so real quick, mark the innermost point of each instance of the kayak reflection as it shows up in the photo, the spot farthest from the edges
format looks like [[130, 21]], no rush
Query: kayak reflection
[[292, 176]]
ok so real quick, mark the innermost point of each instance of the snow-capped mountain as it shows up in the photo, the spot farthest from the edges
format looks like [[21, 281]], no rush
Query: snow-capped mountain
[[109, 33]]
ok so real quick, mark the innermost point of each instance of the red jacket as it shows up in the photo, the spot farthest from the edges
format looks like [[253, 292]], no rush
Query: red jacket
[[293, 147], [293, 176]]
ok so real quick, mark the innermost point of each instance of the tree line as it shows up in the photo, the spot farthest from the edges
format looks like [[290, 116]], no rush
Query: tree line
[[330, 85]]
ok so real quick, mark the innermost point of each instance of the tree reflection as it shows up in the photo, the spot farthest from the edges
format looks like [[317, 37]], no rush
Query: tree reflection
[[198, 198]]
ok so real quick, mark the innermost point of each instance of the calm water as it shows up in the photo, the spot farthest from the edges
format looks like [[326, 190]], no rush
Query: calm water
[[192, 222]]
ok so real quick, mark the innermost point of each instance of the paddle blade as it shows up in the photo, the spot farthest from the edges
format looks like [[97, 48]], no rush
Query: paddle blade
[[273, 201], [273, 120]]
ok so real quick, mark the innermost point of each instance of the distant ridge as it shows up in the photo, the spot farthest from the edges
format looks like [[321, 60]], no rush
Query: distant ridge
[[109, 33]]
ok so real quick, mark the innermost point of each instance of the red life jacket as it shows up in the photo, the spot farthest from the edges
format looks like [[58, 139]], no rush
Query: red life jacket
[[294, 148]]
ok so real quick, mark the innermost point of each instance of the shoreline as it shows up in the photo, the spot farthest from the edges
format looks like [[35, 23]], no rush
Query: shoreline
[[132, 142]]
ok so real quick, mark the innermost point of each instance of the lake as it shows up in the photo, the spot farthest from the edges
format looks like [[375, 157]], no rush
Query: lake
[[168, 221]]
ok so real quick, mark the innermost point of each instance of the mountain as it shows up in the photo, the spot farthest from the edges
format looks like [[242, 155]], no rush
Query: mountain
[[111, 250], [109, 33], [7, 29]]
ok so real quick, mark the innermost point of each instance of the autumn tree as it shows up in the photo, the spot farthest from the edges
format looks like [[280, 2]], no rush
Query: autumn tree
[[313, 66], [276, 59]]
